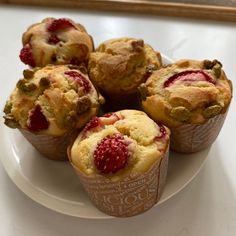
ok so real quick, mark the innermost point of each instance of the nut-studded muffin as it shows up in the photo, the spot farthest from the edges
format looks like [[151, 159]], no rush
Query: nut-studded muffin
[[121, 159], [55, 41], [50, 104], [119, 66], [191, 98]]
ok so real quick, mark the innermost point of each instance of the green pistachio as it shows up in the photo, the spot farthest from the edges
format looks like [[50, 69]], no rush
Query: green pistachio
[[11, 122], [180, 113], [217, 62], [25, 86], [28, 74], [212, 111], [44, 82], [84, 103], [143, 92], [7, 108], [217, 70], [150, 68], [210, 64], [70, 119]]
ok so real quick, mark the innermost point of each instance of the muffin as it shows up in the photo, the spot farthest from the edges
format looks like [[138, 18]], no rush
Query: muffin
[[49, 105], [190, 97], [119, 66], [121, 159], [55, 41]]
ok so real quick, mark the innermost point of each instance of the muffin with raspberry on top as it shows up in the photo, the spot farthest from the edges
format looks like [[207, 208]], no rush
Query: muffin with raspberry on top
[[121, 159], [50, 105], [55, 41], [190, 97]]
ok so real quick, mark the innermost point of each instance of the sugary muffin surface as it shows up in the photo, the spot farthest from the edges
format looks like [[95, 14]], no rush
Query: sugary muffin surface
[[51, 100], [129, 139], [187, 91], [55, 41], [118, 66]]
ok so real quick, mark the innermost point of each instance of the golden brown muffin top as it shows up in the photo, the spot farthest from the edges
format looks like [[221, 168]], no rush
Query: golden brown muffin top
[[188, 91], [52, 100], [120, 65], [119, 143], [55, 41]]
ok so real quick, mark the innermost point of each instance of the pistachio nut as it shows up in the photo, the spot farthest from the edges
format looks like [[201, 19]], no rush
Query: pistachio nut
[[212, 111], [217, 70], [83, 104], [11, 122], [180, 113], [7, 108], [44, 82], [150, 68], [210, 64], [28, 74], [143, 91], [70, 119], [25, 86]]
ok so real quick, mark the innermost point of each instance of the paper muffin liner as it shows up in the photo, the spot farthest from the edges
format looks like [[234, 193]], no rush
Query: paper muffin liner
[[134, 194], [52, 147], [191, 138]]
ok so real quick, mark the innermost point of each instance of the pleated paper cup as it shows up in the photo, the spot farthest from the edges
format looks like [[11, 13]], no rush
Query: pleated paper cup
[[51, 147], [132, 195], [191, 138]]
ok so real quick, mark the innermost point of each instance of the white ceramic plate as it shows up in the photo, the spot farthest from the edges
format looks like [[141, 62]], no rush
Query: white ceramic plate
[[56, 186]]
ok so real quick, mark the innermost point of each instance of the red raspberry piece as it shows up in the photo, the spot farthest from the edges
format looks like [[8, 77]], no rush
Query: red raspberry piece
[[53, 39], [162, 132], [107, 115], [93, 123], [189, 76], [111, 154], [60, 24], [96, 122], [26, 55], [80, 79], [37, 120]]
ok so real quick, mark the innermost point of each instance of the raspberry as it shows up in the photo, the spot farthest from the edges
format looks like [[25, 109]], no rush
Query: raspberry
[[60, 24], [162, 132], [26, 55], [93, 123], [53, 39], [111, 154], [37, 120], [189, 76], [80, 79], [107, 115], [99, 122]]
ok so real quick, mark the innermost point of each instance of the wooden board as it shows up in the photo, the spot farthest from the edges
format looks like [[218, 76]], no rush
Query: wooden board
[[212, 9]]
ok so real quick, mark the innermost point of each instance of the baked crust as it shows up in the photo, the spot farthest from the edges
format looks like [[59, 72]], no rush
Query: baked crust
[[186, 92], [66, 97], [74, 45], [146, 142], [119, 66]]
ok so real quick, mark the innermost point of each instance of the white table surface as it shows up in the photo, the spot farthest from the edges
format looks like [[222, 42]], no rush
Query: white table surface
[[207, 206]]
